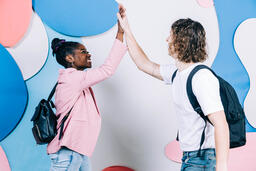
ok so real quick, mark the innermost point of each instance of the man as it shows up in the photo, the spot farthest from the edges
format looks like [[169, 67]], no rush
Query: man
[[187, 45]]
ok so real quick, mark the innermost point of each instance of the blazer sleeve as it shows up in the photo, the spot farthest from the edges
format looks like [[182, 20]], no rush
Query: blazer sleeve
[[107, 69]]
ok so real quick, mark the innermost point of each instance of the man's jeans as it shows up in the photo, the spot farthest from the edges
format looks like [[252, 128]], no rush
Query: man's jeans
[[68, 160], [205, 162]]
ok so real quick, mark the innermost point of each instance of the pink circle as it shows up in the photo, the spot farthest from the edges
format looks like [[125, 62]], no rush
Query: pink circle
[[242, 158], [4, 164], [173, 151], [14, 20], [205, 3]]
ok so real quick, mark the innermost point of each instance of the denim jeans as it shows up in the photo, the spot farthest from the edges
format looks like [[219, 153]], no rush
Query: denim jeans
[[68, 160], [206, 161]]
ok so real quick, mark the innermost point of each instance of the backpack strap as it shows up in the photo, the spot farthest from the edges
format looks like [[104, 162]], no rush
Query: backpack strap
[[61, 127], [174, 74], [193, 101], [63, 122], [52, 92], [191, 96]]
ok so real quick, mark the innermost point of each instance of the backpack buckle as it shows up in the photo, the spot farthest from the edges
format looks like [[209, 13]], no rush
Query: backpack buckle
[[198, 110]]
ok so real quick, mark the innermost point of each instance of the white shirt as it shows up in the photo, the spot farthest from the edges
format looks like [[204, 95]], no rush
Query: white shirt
[[205, 86]]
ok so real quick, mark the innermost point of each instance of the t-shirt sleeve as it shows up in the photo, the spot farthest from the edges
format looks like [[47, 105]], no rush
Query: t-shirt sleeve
[[166, 72], [206, 88]]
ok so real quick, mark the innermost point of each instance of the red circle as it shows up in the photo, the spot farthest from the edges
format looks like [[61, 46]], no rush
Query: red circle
[[117, 168]]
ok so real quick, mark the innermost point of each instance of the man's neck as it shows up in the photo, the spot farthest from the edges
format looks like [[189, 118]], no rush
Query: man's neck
[[182, 65]]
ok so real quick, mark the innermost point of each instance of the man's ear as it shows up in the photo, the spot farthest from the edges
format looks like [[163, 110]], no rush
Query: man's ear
[[69, 58]]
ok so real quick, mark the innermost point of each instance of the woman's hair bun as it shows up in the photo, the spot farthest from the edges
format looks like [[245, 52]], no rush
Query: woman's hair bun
[[56, 43]]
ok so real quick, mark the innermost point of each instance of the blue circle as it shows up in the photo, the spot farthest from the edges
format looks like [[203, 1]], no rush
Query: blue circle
[[38, 87], [13, 90], [79, 17]]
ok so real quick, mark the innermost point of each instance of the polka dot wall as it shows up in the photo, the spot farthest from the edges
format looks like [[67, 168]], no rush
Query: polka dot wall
[[29, 71]]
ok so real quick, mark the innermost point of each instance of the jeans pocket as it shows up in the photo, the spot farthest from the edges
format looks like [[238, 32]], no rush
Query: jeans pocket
[[197, 162], [211, 162], [64, 158], [54, 157], [211, 157]]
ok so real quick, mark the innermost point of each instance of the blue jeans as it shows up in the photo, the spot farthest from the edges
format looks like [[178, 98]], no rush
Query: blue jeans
[[68, 160], [205, 162]]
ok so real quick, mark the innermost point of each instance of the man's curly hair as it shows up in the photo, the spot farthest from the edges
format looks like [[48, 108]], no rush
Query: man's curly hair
[[188, 41]]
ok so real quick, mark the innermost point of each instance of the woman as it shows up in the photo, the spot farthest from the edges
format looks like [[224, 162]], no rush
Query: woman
[[74, 94], [187, 45]]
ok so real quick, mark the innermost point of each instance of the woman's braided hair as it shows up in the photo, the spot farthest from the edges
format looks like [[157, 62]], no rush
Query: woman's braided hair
[[61, 48]]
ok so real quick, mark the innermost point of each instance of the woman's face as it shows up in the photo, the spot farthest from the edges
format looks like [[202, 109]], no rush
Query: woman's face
[[82, 58]]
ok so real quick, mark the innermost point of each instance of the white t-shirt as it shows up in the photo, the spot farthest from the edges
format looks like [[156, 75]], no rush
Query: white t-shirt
[[205, 86]]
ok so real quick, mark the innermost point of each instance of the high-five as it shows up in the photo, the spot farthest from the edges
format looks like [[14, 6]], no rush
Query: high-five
[[187, 45]]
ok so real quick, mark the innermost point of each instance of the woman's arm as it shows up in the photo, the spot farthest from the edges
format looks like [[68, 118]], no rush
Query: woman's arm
[[108, 68], [120, 33], [221, 134], [137, 54]]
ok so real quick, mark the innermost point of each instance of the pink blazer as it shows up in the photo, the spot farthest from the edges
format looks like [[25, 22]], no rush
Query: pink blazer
[[82, 128]]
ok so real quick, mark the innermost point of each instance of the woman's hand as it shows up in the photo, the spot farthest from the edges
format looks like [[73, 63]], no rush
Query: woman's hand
[[120, 31], [121, 11]]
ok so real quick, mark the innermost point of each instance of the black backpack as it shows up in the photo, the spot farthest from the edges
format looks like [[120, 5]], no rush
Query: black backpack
[[45, 121], [233, 110]]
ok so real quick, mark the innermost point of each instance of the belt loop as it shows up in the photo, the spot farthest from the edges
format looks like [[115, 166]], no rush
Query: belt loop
[[186, 154]]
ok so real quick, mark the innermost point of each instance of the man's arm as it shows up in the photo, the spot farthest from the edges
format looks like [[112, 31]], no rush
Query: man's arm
[[140, 58], [221, 134], [137, 54]]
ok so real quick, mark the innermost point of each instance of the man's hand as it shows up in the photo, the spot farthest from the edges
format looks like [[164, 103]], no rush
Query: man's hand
[[221, 167], [122, 19]]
